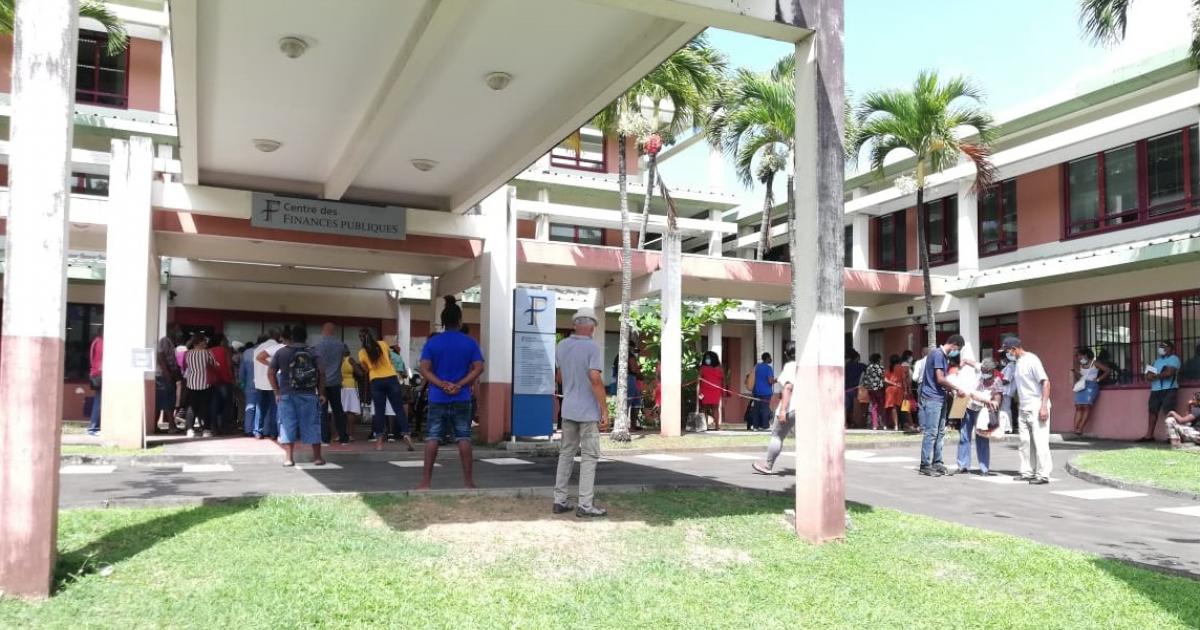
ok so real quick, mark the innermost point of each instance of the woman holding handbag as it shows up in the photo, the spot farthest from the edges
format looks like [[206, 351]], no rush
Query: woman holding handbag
[[1088, 375], [893, 395]]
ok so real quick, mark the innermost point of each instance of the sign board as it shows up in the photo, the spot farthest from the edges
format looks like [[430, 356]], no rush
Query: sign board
[[534, 319], [142, 359], [326, 217]]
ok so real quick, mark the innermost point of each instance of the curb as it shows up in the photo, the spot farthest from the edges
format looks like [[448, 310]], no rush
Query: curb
[[1076, 472], [504, 493]]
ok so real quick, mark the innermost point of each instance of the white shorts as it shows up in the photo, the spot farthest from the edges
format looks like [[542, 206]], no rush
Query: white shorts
[[350, 403]]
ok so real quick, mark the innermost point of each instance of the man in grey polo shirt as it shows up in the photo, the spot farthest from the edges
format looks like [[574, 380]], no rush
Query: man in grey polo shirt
[[330, 351], [584, 413]]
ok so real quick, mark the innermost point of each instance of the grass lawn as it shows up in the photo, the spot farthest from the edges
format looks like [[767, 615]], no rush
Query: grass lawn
[[682, 559], [111, 451], [1161, 467]]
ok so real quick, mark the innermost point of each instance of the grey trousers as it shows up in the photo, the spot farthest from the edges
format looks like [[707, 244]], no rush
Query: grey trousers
[[582, 438], [779, 433]]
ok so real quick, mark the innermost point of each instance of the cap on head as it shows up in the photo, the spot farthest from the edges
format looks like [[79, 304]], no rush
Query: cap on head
[[1010, 343], [587, 314], [987, 365]]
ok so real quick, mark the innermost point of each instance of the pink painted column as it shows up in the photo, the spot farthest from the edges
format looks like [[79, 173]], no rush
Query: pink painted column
[[817, 279], [35, 285]]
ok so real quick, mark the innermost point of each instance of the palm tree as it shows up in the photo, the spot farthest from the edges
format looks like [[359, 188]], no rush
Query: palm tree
[[118, 40], [685, 80], [1104, 22], [926, 120], [754, 121]]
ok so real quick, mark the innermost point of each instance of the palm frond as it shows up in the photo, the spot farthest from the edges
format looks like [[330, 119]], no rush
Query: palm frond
[[1104, 21], [118, 39]]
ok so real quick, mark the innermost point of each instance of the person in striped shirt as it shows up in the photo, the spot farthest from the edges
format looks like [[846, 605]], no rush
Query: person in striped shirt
[[198, 359]]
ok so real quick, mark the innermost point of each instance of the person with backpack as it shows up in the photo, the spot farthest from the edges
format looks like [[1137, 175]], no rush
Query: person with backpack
[[299, 386]]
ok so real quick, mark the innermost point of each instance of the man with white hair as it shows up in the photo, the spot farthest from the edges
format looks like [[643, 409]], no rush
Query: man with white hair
[[584, 413]]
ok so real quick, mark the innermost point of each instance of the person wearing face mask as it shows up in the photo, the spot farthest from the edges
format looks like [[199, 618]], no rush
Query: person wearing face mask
[[934, 386], [1164, 385], [1088, 376], [1008, 374], [1033, 415], [981, 415]]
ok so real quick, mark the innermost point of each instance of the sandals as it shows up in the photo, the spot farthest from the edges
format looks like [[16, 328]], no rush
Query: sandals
[[762, 469], [287, 463]]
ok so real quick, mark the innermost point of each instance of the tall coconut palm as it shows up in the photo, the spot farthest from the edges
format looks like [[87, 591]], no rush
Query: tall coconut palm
[[684, 80], [1104, 22], [927, 120], [118, 40], [754, 121]]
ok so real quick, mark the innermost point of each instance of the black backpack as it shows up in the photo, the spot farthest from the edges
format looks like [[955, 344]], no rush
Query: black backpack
[[302, 369]]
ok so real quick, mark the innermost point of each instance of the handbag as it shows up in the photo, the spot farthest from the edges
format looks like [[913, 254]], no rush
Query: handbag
[[1080, 385], [863, 396], [906, 405]]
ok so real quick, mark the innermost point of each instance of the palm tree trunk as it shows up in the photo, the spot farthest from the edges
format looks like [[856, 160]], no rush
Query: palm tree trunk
[[764, 240], [923, 252], [653, 167], [620, 431]]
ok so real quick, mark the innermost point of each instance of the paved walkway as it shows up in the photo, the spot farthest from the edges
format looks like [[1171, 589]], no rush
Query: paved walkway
[[1152, 530]]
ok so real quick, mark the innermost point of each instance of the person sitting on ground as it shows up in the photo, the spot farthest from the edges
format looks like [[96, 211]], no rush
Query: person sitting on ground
[[785, 413], [1184, 427]]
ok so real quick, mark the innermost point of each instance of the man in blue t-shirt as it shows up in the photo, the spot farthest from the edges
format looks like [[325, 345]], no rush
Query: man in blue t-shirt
[[1164, 385], [450, 363], [764, 387], [934, 386]]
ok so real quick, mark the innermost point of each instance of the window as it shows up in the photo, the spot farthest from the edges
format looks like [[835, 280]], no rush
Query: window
[[891, 235], [941, 230], [83, 324], [998, 218], [583, 150], [88, 184], [101, 79], [576, 234], [848, 244], [1137, 182], [1125, 334]]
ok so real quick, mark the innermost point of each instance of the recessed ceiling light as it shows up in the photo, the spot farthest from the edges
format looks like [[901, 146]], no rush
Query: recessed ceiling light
[[423, 165], [292, 46], [498, 80], [266, 145]]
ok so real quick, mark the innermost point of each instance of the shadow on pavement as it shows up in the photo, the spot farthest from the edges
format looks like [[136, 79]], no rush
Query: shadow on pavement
[[127, 542]]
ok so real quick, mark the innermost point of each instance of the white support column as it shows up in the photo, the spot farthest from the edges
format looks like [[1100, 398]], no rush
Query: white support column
[[968, 260], [715, 239], [45, 37], [498, 279], [164, 303], [435, 306], [598, 336], [858, 332], [404, 333], [861, 241], [130, 286], [818, 301], [542, 222], [968, 322], [166, 80], [671, 359], [716, 170]]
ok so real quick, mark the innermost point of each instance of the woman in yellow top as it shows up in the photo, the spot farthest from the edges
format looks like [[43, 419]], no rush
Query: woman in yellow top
[[350, 402], [385, 388]]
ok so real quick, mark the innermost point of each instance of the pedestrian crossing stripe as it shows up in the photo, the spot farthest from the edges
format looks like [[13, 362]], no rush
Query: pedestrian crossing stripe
[[660, 457], [412, 463], [579, 459], [206, 468], [1193, 510], [897, 459], [312, 466], [859, 456], [737, 456], [506, 461], [1096, 494], [86, 469]]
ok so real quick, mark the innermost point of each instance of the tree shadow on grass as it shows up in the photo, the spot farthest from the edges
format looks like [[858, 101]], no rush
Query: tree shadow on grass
[[124, 543], [1177, 595]]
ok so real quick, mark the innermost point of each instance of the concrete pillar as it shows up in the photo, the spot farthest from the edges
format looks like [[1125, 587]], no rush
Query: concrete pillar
[[404, 334], [716, 170], [498, 279], [542, 222], [860, 241], [858, 332], [715, 238], [968, 228], [599, 334], [817, 283], [35, 288], [968, 322], [130, 287], [671, 359], [166, 80], [435, 306]]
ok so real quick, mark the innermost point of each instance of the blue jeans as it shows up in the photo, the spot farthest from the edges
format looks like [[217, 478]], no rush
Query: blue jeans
[[248, 423], [983, 446], [299, 418], [762, 412], [265, 422], [446, 416], [933, 428], [383, 391], [95, 420]]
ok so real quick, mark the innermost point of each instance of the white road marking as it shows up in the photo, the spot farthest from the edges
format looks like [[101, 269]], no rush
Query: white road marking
[[859, 456], [657, 457], [206, 468], [737, 456], [580, 459], [312, 466], [1005, 480], [1193, 510], [88, 469], [1099, 494], [506, 461], [896, 459], [412, 463]]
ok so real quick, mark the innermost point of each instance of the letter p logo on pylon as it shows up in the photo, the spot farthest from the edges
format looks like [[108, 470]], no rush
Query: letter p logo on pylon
[[537, 304]]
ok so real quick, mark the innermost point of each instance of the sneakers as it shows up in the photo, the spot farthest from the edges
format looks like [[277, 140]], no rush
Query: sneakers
[[957, 471], [191, 433], [206, 434], [939, 468], [762, 468], [562, 508], [1039, 481], [930, 472], [590, 511], [93, 432], [1025, 477]]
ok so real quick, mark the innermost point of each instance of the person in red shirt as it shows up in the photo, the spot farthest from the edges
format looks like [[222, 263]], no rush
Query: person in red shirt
[[220, 376], [95, 368], [711, 387]]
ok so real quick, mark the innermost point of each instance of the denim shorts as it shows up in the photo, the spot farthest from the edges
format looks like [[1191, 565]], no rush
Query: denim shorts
[[456, 414], [299, 417]]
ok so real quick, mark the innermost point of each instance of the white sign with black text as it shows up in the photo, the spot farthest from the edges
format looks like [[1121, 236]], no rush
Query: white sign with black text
[[326, 217]]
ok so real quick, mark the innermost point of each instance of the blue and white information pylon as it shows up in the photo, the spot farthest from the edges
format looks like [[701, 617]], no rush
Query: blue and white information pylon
[[534, 320]]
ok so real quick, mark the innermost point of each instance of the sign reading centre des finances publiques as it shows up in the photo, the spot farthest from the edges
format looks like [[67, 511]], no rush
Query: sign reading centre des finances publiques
[[326, 217]]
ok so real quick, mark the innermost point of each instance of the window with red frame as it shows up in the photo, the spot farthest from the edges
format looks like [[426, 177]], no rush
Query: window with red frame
[[89, 184], [890, 239], [941, 230], [998, 218], [1125, 334], [583, 150], [576, 234], [100, 78], [1143, 181]]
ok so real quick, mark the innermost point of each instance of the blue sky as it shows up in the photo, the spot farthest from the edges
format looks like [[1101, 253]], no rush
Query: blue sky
[[1028, 52]]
